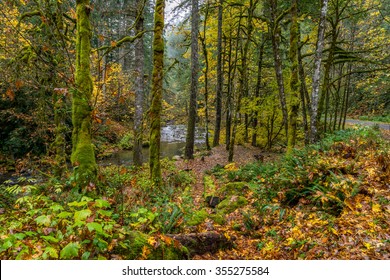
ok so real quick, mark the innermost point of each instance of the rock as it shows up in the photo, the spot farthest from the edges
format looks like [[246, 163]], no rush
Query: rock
[[233, 188], [213, 201], [176, 158], [259, 157], [231, 203], [198, 217]]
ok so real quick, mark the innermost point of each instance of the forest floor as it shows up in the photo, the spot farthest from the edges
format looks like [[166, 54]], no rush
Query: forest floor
[[218, 156], [325, 201], [341, 209]]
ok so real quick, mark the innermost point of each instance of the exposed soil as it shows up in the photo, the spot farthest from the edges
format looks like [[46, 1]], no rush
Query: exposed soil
[[219, 155]]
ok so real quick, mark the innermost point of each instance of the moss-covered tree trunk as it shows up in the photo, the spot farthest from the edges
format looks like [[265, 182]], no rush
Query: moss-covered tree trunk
[[83, 156], [139, 98], [305, 98], [157, 88], [294, 80]]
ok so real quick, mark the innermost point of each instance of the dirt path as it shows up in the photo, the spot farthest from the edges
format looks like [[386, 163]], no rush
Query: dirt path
[[384, 126], [218, 155]]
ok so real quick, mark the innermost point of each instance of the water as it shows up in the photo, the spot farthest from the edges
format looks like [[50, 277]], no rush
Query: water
[[173, 138]]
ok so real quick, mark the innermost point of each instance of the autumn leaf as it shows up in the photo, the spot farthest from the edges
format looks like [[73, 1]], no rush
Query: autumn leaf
[[10, 94], [376, 208], [145, 252]]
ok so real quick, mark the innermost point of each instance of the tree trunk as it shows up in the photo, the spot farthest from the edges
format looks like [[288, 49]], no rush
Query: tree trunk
[[139, 92], [157, 88], [305, 99], [275, 38], [257, 92], [218, 105], [190, 139], [83, 155], [317, 74], [206, 79], [294, 80]]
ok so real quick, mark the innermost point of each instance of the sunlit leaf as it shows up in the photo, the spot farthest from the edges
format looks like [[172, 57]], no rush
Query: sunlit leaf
[[95, 226], [101, 203], [43, 220], [70, 251], [52, 252], [82, 215], [50, 239], [64, 215], [78, 203]]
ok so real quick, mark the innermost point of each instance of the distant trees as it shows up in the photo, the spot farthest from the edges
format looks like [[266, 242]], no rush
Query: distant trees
[[273, 72]]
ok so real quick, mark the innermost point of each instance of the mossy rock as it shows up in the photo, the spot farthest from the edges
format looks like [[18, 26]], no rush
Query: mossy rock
[[233, 188], [218, 218], [133, 248], [209, 186], [231, 203], [198, 217]]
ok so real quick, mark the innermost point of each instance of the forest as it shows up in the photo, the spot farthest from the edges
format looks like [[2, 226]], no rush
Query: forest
[[194, 129]]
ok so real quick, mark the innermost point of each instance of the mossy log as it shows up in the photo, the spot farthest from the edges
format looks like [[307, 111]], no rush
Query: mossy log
[[205, 242]]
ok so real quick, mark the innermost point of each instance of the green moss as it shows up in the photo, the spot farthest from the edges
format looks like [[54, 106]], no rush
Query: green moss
[[209, 186], [233, 188], [231, 203], [218, 218], [198, 217], [157, 88], [83, 155]]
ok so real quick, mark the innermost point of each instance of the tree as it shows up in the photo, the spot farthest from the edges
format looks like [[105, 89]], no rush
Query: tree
[[157, 88], [218, 104], [189, 149], [317, 74], [294, 80], [206, 73], [275, 39], [83, 156], [140, 88]]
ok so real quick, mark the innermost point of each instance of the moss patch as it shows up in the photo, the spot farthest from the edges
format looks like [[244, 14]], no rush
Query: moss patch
[[218, 218], [233, 188], [198, 217], [231, 203]]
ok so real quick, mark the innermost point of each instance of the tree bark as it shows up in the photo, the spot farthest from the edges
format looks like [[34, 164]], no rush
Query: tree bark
[[317, 74], [275, 38], [294, 80], [190, 138], [139, 92], [218, 104], [157, 88], [206, 78], [83, 155], [257, 92]]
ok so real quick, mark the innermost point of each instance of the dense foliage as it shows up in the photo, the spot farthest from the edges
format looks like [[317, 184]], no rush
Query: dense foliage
[[327, 201]]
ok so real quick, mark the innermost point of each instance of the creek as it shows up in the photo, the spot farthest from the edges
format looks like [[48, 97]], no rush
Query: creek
[[173, 138]]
